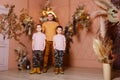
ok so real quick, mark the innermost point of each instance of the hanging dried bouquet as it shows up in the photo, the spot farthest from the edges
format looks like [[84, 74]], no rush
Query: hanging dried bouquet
[[27, 22], [81, 19]]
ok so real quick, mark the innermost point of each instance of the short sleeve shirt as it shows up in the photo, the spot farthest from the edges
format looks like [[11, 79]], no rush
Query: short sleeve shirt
[[50, 29], [39, 41], [59, 41]]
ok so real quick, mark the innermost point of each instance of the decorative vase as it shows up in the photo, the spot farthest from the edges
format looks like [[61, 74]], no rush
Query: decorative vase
[[107, 71]]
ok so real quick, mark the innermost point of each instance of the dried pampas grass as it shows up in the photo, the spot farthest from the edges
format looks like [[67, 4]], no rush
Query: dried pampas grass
[[98, 48], [102, 49]]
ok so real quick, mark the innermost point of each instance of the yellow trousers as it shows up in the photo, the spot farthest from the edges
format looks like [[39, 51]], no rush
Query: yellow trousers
[[48, 50]]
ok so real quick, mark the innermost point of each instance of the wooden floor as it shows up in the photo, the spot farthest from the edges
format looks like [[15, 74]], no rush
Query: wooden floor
[[70, 74]]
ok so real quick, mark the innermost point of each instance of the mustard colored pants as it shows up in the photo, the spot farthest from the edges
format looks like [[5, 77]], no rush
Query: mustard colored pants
[[48, 50]]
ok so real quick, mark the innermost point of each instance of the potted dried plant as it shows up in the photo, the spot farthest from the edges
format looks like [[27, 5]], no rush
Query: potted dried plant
[[103, 45], [104, 53]]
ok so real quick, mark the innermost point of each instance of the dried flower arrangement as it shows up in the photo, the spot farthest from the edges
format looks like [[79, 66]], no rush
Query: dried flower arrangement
[[68, 32], [9, 25], [12, 27], [46, 10], [81, 19], [103, 45], [26, 21], [22, 59], [103, 50]]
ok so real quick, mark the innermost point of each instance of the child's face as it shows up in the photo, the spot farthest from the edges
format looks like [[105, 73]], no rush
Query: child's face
[[39, 28], [59, 31]]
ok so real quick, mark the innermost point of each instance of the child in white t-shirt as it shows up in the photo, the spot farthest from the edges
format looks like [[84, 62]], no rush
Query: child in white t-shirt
[[59, 44], [38, 46]]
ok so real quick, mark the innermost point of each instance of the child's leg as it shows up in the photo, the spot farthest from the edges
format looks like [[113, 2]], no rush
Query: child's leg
[[56, 61], [34, 62], [61, 54], [39, 59]]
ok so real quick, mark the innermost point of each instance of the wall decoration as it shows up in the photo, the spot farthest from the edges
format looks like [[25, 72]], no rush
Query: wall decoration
[[46, 10], [22, 59], [27, 22], [109, 11], [9, 25], [103, 51], [81, 19], [68, 32], [12, 26], [103, 43]]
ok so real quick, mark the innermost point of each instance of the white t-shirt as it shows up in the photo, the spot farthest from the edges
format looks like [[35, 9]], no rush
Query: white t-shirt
[[59, 42], [39, 41]]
